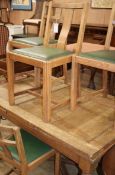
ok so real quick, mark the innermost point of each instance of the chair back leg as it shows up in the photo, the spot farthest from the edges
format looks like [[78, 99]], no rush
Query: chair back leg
[[57, 163]]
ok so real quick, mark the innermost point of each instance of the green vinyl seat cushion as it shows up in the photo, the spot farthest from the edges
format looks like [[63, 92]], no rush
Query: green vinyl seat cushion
[[35, 41], [43, 53], [34, 148], [102, 55]]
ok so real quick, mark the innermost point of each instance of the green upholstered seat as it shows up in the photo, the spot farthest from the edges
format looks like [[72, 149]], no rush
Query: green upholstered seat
[[36, 41], [34, 147], [102, 55], [42, 53]]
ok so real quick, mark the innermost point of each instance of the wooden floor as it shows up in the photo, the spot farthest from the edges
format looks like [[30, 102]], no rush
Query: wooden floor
[[45, 168], [90, 129]]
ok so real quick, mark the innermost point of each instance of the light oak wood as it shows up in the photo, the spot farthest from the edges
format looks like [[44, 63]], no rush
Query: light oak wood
[[83, 135], [15, 44], [105, 66], [110, 28], [47, 92], [10, 69], [22, 165], [47, 66], [96, 17]]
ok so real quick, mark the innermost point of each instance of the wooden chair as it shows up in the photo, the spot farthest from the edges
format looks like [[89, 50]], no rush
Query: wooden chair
[[24, 151], [47, 58], [32, 41], [5, 12], [35, 20], [19, 67], [101, 59]]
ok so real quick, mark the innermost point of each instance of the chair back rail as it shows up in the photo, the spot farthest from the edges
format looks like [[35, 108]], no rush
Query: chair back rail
[[44, 18], [82, 28], [110, 29], [6, 142], [63, 13], [38, 9], [69, 5]]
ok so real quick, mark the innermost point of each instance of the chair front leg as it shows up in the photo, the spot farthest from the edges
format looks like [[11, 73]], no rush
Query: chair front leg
[[10, 71], [47, 92]]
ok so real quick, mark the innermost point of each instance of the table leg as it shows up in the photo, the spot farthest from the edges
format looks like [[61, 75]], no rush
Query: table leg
[[108, 162], [87, 167]]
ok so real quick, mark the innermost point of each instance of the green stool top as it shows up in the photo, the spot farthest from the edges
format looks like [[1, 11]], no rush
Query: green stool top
[[36, 41], [34, 148], [43, 53], [102, 55]]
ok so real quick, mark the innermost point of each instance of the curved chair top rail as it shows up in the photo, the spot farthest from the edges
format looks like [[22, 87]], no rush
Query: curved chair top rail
[[63, 13], [71, 5]]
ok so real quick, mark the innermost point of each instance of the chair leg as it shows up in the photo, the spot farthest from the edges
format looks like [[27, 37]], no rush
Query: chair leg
[[64, 170], [24, 170], [75, 83], [112, 83], [78, 80], [65, 72], [57, 163], [37, 72], [0, 118], [105, 80], [10, 69], [47, 92], [91, 81]]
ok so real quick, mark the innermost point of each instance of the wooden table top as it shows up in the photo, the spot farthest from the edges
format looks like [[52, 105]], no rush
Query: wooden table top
[[89, 131]]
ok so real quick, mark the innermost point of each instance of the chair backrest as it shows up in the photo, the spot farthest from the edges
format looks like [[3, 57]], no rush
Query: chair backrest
[[45, 10], [38, 9], [110, 28], [13, 139], [4, 11], [63, 13], [4, 36]]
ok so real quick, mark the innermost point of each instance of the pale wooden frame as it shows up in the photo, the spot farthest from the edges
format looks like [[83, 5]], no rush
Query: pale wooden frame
[[22, 165], [105, 66], [15, 44], [47, 66]]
